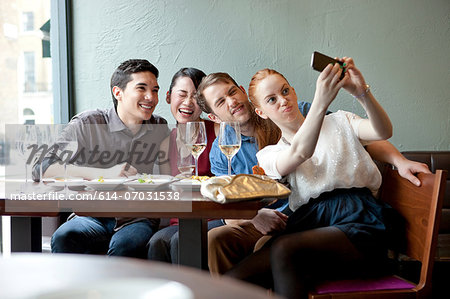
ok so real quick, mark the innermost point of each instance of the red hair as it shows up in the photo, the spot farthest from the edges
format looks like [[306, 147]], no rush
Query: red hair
[[266, 131]]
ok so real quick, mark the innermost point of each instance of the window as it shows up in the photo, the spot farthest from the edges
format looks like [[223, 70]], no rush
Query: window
[[28, 111], [26, 85], [29, 71], [28, 21], [28, 116]]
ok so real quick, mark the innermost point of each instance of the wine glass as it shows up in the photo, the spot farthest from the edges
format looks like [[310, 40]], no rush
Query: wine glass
[[45, 141], [67, 149], [185, 162], [229, 140], [26, 138], [196, 140]]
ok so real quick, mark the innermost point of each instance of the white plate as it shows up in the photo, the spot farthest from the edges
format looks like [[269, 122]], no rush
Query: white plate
[[70, 182], [105, 185], [140, 288], [151, 176], [187, 184], [153, 182]]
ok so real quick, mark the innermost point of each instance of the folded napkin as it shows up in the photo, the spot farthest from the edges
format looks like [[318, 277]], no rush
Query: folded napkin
[[224, 189]]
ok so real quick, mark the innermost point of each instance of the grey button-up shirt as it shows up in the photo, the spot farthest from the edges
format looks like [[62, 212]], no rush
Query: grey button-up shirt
[[104, 141]]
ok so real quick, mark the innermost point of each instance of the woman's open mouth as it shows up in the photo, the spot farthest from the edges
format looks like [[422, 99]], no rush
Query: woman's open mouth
[[185, 112]]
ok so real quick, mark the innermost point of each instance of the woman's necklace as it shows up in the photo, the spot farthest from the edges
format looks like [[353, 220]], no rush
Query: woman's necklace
[[285, 141]]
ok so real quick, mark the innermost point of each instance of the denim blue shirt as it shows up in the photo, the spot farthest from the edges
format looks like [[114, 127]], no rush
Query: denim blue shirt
[[245, 158]]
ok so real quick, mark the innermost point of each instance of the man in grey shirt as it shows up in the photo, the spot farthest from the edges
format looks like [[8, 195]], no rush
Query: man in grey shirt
[[120, 141]]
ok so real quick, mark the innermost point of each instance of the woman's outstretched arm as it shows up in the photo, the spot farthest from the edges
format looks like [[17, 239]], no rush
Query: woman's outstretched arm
[[378, 125]]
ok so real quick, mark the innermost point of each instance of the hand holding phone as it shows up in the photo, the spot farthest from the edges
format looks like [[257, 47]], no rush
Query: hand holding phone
[[320, 61]]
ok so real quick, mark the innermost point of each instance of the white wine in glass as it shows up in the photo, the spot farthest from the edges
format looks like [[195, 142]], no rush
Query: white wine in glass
[[230, 150], [196, 149], [196, 140], [229, 140]]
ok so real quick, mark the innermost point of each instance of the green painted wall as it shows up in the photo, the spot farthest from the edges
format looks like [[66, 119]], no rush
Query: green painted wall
[[401, 46]]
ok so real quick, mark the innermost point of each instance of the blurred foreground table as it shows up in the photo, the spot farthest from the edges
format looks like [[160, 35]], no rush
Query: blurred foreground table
[[39, 275]]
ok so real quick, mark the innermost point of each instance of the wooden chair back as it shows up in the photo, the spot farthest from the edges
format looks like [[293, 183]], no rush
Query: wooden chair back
[[420, 208]]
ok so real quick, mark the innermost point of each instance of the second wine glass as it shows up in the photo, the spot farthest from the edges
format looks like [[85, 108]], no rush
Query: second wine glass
[[196, 140], [25, 139], [229, 140]]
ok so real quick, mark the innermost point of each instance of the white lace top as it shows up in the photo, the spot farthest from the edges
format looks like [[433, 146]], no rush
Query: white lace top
[[339, 161]]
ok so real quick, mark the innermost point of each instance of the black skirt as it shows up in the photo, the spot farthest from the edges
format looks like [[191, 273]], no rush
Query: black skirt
[[354, 211]]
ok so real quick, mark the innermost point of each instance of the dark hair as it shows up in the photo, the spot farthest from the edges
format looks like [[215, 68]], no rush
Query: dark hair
[[122, 75], [194, 74], [207, 81]]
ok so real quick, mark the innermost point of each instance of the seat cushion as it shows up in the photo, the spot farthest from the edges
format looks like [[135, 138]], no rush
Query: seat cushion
[[358, 285]]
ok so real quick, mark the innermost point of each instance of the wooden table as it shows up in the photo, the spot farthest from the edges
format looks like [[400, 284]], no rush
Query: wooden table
[[28, 275], [192, 209]]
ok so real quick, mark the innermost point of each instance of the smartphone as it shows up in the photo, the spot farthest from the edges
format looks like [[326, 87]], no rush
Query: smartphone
[[319, 61]]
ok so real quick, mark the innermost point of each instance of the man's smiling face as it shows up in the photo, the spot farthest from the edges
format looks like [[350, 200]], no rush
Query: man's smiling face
[[137, 101], [228, 102]]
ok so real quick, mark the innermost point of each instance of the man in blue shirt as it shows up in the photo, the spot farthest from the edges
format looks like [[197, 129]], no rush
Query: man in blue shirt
[[224, 100]]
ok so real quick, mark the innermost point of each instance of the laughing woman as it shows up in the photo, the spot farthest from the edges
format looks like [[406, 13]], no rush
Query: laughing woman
[[337, 224], [163, 246]]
